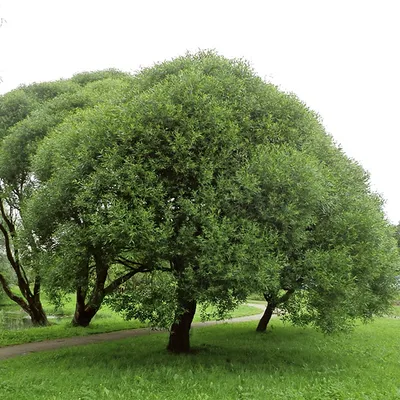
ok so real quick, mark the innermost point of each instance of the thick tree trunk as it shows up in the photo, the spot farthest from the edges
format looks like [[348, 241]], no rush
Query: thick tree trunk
[[262, 325], [179, 340], [85, 312], [86, 308], [30, 303], [84, 317], [37, 314]]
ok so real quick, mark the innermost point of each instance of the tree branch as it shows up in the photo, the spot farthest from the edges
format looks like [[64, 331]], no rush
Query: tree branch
[[10, 225], [119, 281], [122, 260], [36, 288], [19, 300], [23, 281], [273, 299], [139, 267], [285, 297], [23, 273], [7, 243]]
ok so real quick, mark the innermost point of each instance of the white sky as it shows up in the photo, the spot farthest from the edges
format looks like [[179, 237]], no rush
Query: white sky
[[340, 56]]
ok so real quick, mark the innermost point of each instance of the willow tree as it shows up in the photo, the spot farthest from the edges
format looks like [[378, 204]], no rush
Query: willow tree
[[202, 171], [27, 115], [340, 266], [16, 108]]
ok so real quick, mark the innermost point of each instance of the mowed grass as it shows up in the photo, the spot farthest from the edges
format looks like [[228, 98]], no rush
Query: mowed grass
[[65, 329], [105, 321], [232, 362]]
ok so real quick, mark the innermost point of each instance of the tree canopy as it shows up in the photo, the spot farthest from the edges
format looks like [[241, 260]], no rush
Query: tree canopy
[[200, 170], [27, 115], [207, 184]]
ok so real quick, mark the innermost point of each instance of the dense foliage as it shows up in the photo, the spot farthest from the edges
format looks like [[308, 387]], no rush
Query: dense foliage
[[205, 184], [27, 115]]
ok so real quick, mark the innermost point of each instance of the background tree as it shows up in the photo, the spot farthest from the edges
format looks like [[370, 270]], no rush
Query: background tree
[[26, 116], [15, 107], [76, 257], [343, 267]]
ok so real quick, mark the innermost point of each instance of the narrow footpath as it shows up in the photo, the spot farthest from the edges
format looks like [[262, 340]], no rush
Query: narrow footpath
[[27, 348]]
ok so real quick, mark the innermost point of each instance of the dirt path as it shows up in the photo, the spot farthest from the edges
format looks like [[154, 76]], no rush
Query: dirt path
[[26, 348]]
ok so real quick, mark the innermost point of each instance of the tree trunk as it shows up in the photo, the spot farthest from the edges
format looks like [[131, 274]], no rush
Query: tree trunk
[[179, 340], [37, 314], [30, 303], [84, 316], [85, 312], [262, 325], [272, 302]]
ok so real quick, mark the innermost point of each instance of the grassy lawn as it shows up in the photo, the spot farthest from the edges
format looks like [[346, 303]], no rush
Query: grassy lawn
[[67, 309], [105, 321], [232, 362]]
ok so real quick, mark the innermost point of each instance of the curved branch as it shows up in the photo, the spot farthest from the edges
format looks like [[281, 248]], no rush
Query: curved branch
[[7, 220], [119, 281], [139, 267], [7, 243], [23, 281], [19, 300], [285, 297]]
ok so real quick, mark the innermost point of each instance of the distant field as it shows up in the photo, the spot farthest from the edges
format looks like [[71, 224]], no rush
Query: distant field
[[232, 362]]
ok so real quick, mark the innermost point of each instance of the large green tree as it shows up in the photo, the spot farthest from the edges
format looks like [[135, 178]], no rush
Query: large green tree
[[27, 115], [205, 173], [73, 260]]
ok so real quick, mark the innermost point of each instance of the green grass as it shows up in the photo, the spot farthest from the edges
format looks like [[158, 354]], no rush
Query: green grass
[[105, 321], [232, 362], [242, 311], [64, 330], [67, 309]]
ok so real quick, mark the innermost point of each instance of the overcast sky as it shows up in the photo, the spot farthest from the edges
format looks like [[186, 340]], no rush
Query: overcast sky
[[339, 56]]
